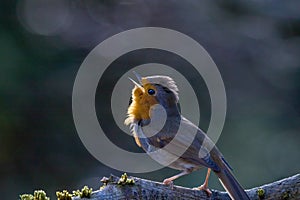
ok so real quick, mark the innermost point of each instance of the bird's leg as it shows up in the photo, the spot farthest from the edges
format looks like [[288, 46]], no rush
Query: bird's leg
[[169, 181], [204, 186]]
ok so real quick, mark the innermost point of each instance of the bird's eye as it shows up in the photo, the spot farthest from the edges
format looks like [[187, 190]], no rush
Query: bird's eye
[[151, 91]]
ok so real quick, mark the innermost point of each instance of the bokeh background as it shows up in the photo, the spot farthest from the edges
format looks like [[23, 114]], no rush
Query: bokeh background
[[255, 44]]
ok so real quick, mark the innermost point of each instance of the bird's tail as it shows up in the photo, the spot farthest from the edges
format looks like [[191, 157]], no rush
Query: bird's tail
[[232, 186]]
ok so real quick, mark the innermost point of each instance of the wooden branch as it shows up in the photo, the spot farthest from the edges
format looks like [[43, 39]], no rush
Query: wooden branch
[[137, 188]]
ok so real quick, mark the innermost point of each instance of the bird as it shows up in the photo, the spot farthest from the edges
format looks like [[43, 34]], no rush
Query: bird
[[169, 138]]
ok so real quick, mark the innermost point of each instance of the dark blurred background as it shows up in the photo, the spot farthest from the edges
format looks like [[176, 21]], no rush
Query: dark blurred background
[[255, 44]]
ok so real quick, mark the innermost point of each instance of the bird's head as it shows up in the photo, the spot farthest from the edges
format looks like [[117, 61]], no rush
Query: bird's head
[[149, 91]]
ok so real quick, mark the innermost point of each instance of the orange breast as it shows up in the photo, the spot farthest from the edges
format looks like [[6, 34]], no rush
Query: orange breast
[[141, 104]]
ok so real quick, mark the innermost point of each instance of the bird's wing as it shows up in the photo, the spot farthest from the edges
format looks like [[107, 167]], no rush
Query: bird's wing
[[186, 141]]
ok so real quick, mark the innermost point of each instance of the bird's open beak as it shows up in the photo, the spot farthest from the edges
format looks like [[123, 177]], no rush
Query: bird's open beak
[[139, 78], [139, 85]]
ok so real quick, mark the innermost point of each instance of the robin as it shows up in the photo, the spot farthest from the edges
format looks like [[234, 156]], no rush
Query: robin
[[171, 139]]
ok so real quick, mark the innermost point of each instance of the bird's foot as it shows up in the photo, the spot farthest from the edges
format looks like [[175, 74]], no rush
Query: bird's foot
[[205, 188], [168, 182]]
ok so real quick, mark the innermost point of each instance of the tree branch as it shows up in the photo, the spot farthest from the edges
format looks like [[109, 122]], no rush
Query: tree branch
[[137, 188]]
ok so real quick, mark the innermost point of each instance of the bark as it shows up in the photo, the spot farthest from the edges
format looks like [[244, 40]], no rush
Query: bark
[[137, 188]]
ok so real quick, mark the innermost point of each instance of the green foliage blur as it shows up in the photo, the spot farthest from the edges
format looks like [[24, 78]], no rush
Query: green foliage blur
[[255, 44]]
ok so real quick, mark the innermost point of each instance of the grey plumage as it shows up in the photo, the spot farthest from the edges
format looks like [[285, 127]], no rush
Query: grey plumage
[[172, 140]]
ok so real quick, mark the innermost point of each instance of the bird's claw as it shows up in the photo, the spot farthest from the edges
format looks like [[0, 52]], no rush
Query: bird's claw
[[168, 182], [205, 188]]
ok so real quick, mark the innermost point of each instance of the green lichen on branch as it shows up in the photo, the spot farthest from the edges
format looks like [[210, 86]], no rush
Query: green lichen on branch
[[37, 195], [84, 193], [261, 193], [64, 195], [286, 195], [124, 180], [26, 197]]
